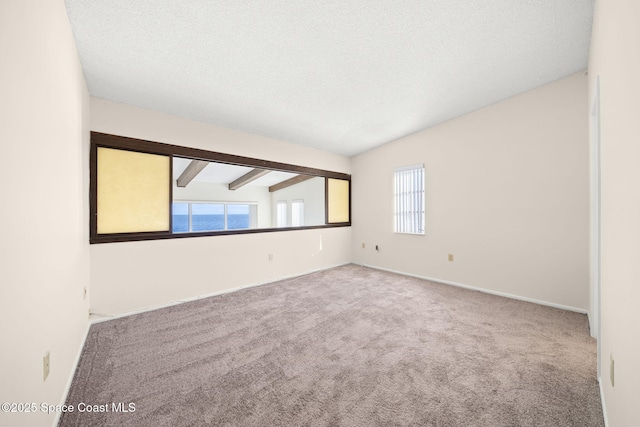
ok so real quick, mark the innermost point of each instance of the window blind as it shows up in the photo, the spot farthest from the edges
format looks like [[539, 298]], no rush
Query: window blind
[[409, 199]]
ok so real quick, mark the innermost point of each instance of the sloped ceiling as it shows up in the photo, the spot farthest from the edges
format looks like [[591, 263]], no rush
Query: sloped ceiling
[[342, 76]]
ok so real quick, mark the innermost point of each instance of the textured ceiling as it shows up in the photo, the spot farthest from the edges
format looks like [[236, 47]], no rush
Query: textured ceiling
[[342, 76]]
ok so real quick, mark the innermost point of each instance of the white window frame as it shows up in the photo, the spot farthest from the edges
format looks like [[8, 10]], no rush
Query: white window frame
[[409, 200]]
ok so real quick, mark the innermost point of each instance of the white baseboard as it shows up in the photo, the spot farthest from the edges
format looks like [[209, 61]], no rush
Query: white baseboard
[[73, 373], [100, 317], [487, 291], [604, 408]]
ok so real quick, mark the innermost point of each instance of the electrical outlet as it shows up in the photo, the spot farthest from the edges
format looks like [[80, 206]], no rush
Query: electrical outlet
[[451, 257], [45, 366], [612, 371]]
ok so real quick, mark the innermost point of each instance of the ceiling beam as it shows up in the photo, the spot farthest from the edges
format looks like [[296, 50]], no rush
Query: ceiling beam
[[247, 178], [194, 168], [289, 182]]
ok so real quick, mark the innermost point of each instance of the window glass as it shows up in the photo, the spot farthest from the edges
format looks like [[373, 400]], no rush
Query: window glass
[[281, 214], [297, 213], [238, 217], [199, 216], [207, 217], [180, 213], [409, 199]]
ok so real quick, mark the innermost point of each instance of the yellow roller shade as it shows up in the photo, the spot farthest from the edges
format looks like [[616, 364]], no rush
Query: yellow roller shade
[[133, 191], [337, 200]]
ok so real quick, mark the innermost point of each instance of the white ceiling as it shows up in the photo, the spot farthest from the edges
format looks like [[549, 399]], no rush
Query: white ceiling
[[342, 76], [220, 173]]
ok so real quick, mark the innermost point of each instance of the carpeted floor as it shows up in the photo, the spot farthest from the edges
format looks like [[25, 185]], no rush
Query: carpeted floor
[[350, 346]]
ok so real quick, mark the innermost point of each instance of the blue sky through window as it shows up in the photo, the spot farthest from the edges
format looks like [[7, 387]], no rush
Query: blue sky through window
[[207, 209]]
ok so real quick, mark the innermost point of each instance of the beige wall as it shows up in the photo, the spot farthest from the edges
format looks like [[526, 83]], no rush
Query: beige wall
[[615, 59], [135, 275], [506, 193], [44, 110]]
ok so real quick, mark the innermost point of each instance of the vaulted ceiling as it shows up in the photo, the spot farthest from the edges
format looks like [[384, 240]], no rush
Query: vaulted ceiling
[[342, 76]]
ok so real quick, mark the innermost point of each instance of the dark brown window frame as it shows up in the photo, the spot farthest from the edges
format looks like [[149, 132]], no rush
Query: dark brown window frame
[[99, 139]]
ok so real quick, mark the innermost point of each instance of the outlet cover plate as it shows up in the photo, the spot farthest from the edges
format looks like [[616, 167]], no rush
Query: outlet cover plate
[[45, 366]]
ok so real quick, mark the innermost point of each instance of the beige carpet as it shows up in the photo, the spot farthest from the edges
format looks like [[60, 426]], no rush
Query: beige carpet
[[350, 346]]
